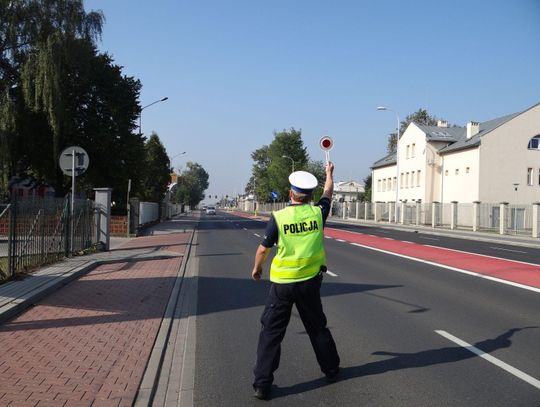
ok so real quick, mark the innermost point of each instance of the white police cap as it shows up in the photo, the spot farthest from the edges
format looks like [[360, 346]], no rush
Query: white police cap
[[303, 182]]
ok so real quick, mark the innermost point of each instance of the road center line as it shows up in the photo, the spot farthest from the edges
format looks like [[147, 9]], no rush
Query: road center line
[[332, 274], [244, 228], [340, 240], [505, 366], [470, 273], [506, 250], [257, 235]]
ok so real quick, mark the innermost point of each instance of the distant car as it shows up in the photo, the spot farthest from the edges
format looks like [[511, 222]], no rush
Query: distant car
[[210, 210]]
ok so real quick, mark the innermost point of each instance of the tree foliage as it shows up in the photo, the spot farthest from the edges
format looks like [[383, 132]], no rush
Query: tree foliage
[[270, 171], [192, 183], [421, 116], [156, 170], [57, 90]]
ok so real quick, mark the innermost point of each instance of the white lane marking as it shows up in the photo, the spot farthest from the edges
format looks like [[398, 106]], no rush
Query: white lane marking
[[406, 241], [340, 240], [257, 235], [332, 274], [328, 237], [244, 228], [483, 255], [470, 273], [506, 250], [427, 238], [497, 362], [388, 238]]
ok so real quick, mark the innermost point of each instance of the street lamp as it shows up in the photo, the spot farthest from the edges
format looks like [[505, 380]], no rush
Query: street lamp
[[144, 107], [397, 160], [174, 156], [292, 161]]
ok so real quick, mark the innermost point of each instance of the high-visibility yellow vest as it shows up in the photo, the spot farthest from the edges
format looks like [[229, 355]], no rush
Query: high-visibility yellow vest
[[300, 252]]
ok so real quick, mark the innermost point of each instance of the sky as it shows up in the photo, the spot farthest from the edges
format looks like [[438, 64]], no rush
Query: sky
[[235, 71]]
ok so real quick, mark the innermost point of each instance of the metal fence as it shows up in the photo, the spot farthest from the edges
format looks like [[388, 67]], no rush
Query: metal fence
[[518, 219], [38, 231]]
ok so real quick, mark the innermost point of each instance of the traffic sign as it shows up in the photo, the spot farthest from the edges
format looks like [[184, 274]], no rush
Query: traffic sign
[[82, 160], [274, 195], [326, 143]]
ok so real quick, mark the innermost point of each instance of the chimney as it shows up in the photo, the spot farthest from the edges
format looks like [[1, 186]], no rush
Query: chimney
[[473, 128], [442, 123]]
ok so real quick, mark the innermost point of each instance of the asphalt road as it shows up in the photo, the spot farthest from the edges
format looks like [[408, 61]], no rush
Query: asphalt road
[[395, 322]]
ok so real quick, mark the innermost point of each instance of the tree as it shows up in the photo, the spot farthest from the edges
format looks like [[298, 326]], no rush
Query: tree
[[366, 196], [192, 183], [156, 171], [36, 36], [421, 116], [271, 170]]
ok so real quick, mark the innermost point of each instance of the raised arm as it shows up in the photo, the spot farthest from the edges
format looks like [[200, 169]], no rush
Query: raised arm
[[329, 183]]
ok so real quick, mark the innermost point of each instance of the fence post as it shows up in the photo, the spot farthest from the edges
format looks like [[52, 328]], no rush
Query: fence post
[[376, 211], [103, 204], [12, 250], [418, 211], [502, 218], [536, 219], [402, 213], [390, 211], [357, 216], [434, 205], [453, 215], [476, 216]]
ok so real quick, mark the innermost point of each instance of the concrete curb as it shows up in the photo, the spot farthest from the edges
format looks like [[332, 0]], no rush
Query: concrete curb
[[149, 383]]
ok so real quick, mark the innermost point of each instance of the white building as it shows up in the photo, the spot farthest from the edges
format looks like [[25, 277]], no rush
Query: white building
[[478, 162], [347, 191]]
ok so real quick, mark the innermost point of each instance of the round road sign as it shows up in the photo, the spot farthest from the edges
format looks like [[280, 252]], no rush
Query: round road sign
[[326, 143], [82, 160]]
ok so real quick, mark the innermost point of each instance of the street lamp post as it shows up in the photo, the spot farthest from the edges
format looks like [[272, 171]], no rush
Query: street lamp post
[[397, 160], [292, 161], [144, 107], [174, 156]]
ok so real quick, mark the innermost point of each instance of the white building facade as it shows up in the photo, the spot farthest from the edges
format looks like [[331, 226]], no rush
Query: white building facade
[[348, 191], [483, 162]]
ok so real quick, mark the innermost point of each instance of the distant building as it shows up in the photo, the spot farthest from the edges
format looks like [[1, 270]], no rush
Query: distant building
[[348, 191], [476, 162]]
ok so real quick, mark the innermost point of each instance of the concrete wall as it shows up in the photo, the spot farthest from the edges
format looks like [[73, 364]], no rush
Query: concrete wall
[[505, 159], [461, 176]]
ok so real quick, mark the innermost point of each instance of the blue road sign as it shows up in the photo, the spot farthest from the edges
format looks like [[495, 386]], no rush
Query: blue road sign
[[274, 195]]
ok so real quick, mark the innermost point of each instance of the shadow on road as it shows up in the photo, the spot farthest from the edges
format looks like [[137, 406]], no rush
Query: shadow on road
[[400, 361]]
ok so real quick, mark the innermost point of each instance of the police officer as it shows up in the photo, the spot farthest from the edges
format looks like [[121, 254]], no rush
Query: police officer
[[296, 276]]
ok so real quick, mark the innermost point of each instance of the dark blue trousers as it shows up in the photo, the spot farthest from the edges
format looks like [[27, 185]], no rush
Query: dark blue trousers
[[275, 318]]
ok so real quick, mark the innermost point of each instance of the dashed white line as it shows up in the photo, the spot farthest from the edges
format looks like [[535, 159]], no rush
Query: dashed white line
[[328, 237], [257, 235], [388, 238], [497, 362], [340, 240], [330, 273], [406, 241], [244, 228], [506, 250], [470, 273]]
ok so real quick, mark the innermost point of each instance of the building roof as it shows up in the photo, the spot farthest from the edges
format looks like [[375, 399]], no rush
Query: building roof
[[390, 159], [455, 136]]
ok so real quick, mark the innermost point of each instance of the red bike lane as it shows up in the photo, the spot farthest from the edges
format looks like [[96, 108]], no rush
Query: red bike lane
[[522, 273]]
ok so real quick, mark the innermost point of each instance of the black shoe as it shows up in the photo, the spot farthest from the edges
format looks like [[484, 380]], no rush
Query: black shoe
[[261, 393], [332, 376]]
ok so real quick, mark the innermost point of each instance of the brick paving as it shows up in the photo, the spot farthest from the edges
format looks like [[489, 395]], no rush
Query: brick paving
[[88, 343]]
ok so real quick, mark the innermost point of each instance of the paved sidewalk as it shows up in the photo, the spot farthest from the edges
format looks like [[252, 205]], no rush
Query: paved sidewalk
[[88, 343]]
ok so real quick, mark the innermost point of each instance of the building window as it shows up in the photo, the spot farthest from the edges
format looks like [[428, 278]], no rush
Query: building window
[[408, 150], [379, 185], [412, 178], [401, 178], [412, 150], [534, 143], [395, 183], [457, 171], [407, 180], [446, 173], [529, 176], [467, 170], [418, 178]]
